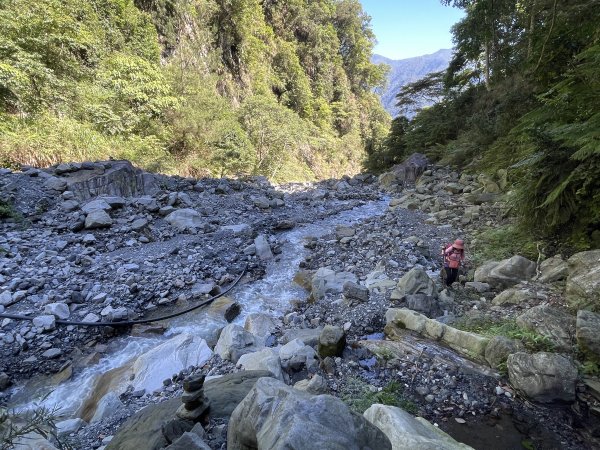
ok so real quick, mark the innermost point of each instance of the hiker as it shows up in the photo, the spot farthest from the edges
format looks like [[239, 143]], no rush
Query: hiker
[[453, 255]]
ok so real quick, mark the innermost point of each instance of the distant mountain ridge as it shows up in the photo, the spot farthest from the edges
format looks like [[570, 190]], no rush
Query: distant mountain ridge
[[404, 71]]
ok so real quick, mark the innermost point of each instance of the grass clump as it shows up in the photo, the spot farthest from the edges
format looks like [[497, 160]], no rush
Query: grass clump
[[532, 341], [359, 396], [7, 210], [503, 242]]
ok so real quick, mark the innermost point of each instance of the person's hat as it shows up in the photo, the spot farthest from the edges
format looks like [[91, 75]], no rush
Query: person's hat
[[459, 243]]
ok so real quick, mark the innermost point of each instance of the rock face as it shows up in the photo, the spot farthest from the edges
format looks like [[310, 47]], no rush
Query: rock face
[[506, 273], [583, 283], [276, 416], [179, 352], [553, 323], [588, 333], [543, 377], [114, 178], [406, 432]]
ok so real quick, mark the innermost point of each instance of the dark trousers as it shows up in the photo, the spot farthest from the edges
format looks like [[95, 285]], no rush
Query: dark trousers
[[451, 275]]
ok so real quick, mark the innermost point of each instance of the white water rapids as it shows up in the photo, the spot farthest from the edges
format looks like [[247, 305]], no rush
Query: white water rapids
[[271, 295]]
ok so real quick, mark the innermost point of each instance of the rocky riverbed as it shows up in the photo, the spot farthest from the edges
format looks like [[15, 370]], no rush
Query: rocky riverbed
[[104, 242]]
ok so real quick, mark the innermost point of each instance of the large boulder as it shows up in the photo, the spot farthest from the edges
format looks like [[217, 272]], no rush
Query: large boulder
[[266, 359], [110, 178], [588, 333], [260, 325], [411, 169], [506, 273], [276, 416], [235, 342], [553, 323], [185, 219], [583, 283], [416, 281], [296, 356], [108, 405], [226, 392], [168, 358], [498, 350], [331, 341], [513, 296], [553, 269], [143, 431], [98, 218], [263, 249], [326, 281], [543, 377], [406, 432]]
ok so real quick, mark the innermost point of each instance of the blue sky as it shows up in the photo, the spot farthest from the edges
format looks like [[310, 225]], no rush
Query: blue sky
[[407, 28]]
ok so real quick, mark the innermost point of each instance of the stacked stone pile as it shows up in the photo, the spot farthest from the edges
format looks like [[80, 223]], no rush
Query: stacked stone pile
[[195, 404]]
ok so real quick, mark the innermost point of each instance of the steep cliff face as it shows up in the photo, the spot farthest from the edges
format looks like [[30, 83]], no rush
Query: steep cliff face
[[404, 71], [282, 89]]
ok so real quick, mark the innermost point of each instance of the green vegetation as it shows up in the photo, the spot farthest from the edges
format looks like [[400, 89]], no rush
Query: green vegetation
[[502, 242], [531, 340], [522, 93], [360, 396], [6, 210], [195, 87], [590, 368], [17, 428]]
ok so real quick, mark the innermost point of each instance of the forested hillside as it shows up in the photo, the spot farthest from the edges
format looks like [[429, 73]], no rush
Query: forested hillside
[[404, 71], [220, 87], [522, 93]]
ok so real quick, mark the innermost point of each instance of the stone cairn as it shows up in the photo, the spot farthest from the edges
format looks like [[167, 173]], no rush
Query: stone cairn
[[195, 404]]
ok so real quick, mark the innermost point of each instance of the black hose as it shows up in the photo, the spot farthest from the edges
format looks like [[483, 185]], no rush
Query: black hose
[[134, 322]]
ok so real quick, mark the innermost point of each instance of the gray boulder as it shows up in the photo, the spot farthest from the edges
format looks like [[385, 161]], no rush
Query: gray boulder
[[234, 342], [498, 350], [144, 429], [266, 360], [226, 392], [416, 281], [588, 333], [45, 322], [326, 281], [331, 341], [355, 291], [315, 385], [513, 296], [506, 273], [295, 356], [262, 247], [97, 218], [60, 310], [56, 184], [310, 336], [94, 205], [543, 377], [551, 322], [406, 432], [276, 416], [553, 269], [185, 219], [260, 325], [70, 426], [189, 441], [583, 284]]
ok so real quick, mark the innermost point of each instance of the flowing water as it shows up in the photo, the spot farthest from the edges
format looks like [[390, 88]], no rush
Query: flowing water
[[271, 295]]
